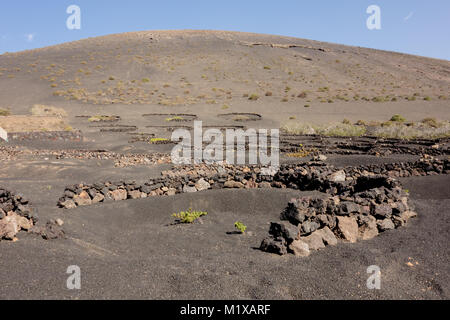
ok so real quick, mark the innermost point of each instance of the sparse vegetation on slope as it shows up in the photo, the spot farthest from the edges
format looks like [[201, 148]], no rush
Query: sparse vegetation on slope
[[331, 130], [188, 216]]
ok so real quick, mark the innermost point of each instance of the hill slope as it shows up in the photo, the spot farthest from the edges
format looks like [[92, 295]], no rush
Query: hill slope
[[209, 67]]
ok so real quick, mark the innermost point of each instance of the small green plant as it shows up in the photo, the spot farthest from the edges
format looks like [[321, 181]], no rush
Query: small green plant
[[101, 118], [397, 118], [158, 140], [253, 97], [240, 226], [176, 118], [4, 113], [266, 68], [188, 216], [145, 80], [378, 99]]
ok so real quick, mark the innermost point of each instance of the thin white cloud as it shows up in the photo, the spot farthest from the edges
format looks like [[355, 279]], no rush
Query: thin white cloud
[[409, 16], [30, 37]]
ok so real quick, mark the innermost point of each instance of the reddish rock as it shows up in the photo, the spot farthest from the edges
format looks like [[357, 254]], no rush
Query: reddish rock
[[83, 199], [299, 248], [348, 228], [98, 198], [368, 229], [119, 194], [314, 241], [136, 194]]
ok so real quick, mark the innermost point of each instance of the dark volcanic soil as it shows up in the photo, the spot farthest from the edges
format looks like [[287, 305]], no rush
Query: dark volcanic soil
[[130, 250]]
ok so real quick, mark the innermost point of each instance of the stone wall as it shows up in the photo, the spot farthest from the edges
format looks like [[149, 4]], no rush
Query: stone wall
[[362, 209], [185, 179], [16, 214], [46, 135]]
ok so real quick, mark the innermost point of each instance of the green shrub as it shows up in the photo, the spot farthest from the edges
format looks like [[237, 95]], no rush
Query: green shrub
[[176, 118], [240, 226], [421, 130], [378, 99], [188, 216], [330, 130], [4, 113], [397, 118], [158, 140], [253, 97]]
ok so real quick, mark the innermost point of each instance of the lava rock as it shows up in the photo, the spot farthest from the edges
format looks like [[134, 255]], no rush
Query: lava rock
[[327, 236], [274, 245], [233, 185], [386, 224], [314, 241], [189, 189], [347, 208], [202, 185], [119, 194], [338, 176], [347, 228], [284, 229], [299, 248], [308, 227], [382, 211], [368, 228]]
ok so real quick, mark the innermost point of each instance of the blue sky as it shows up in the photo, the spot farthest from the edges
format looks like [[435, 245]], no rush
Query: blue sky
[[411, 26]]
